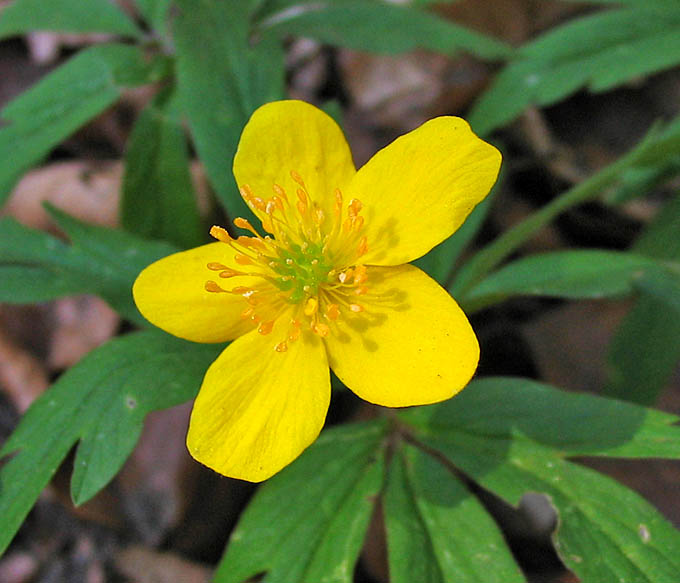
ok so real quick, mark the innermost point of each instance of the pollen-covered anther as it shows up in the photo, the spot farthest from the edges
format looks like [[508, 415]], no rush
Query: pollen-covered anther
[[281, 346], [362, 247], [344, 276], [212, 287], [354, 207], [356, 308], [227, 272], [311, 306], [360, 274], [247, 313], [321, 329], [361, 290], [332, 311], [279, 191], [214, 266], [265, 327], [242, 259], [295, 330], [220, 234]]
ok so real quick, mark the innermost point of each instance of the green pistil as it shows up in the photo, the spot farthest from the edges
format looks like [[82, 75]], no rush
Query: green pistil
[[301, 271]]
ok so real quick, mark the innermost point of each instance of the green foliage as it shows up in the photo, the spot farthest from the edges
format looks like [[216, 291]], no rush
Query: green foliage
[[380, 27], [579, 274], [36, 266], [307, 523], [606, 532], [426, 509], [158, 196], [64, 100], [100, 402], [155, 12], [646, 347], [437, 530], [23, 16], [599, 51], [221, 80]]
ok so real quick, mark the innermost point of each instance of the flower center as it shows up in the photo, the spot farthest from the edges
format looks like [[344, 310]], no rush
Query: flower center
[[308, 267]]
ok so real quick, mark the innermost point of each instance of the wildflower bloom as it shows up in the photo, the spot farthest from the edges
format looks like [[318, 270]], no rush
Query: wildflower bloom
[[329, 285]]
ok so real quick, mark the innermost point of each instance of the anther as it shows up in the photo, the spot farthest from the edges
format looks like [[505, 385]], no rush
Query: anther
[[281, 346], [265, 327], [361, 290], [258, 203], [354, 207], [356, 308], [246, 191], [280, 191], [247, 313], [311, 306], [321, 329], [345, 275], [332, 312], [220, 234], [362, 247], [213, 266], [212, 287], [242, 259], [242, 223], [297, 178], [230, 273], [360, 275]]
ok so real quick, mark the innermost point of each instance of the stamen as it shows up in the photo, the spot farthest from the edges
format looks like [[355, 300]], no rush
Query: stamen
[[247, 313], [294, 334], [311, 306], [265, 327], [242, 223], [212, 287], [362, 247], [361, 290], [354, 207], [280, 192], [214, 266], [281, 346], [356, 308], [246, 192], [230, 273], [242, 259], [297, 178], [360, 275], [220, 234], [321, 329], [332, 311]]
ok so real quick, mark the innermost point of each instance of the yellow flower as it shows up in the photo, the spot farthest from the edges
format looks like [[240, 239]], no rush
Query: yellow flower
[[329, 286]]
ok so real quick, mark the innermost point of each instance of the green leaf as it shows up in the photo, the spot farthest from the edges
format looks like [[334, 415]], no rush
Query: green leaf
[[64, 100], [566, 274], [568, 423], [307, 523], [222, 79], [158, 197], [646, 347], [154, 12], [23, 16], [662, 284], [379, 27], [99, 261], [101, 401], [606, 532], [437, 531], [600, 51], [439, 262]]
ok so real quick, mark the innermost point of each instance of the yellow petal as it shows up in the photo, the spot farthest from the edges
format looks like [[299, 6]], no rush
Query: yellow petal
[[418, 190], [258, 409], [412, 344], [286, 136], [171, 294]]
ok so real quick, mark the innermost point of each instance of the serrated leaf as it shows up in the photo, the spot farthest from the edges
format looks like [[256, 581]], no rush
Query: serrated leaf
[[439, 262], [576, 274], [222, 79], [568, 423], [22, 16], [378, 27], [606, 532], [437, 531], [307, 523], [158, 196], [101, 401], [64, 100], [100, 261], [599, 51]]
